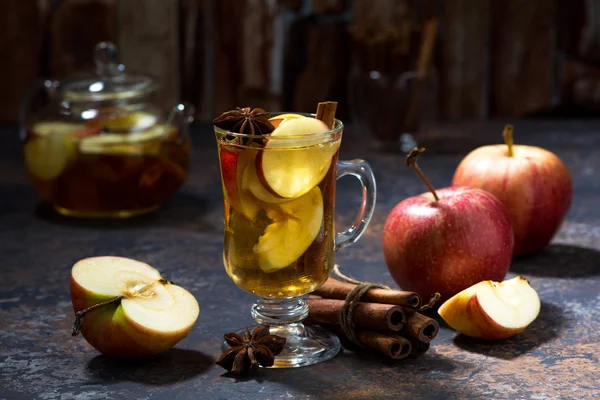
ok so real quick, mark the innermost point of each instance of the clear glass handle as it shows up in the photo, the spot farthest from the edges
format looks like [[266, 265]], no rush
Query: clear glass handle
[[182, 116], [361, 170]]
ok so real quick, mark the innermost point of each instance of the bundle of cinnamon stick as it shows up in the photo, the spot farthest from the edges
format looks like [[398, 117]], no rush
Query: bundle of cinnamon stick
[[385, 320]]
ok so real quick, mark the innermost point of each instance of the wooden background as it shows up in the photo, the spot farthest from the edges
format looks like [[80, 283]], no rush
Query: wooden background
[[494, 58]]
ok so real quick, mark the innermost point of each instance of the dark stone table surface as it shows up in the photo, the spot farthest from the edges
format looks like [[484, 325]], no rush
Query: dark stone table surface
[[557, 357]]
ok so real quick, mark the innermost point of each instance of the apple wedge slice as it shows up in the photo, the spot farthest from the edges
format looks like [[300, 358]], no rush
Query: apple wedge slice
[[291, 167], [234, 163], [295, 226], [144, 314], [48, 153], [492, 310], [251, 183], [282, 118], [146, 142]]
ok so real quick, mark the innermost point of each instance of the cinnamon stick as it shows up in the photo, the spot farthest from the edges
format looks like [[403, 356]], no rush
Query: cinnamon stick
[[365, 315], [392, 345], [326, 112], [418, 348], [420, 327], [313, 262], [334, 289]]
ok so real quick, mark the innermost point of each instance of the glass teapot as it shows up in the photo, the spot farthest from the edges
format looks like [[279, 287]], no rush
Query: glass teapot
[[96, 146]]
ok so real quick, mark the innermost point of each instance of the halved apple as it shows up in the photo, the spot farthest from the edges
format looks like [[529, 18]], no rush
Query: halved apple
[[293, 160], [295, 226], [492, 310], [281, 118], [148, 315], [49, 151]]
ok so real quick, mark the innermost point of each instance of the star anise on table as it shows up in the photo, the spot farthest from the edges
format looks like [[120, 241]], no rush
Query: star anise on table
[[243, 120], [248, 352]]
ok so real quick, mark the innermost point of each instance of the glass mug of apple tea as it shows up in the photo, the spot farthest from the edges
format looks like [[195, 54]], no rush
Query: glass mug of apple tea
[[278, 178]]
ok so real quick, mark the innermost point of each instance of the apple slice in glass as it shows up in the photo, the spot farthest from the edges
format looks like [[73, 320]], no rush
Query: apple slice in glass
[[150, 315], [281, 118], [294, 160], [295, 226], [146, 142], [49, 151], [251, 183], [492, 310]]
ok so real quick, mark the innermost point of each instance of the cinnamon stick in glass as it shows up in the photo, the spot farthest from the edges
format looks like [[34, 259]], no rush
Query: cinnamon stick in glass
[[314, 259], [365, 315], [334, 289], [420, 327], [326, 112]]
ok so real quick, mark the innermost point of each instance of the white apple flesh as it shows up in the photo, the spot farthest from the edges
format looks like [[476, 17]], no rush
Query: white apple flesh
[[151, 316], [492, 310], [294, 160], [295, 226]]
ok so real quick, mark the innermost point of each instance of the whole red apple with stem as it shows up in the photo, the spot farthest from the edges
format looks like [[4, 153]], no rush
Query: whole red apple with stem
[[533, 184], [447, 240]]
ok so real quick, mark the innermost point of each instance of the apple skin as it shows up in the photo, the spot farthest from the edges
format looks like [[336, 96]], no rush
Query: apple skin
[[228, 158], [448, 245], [109, 330], [534, 185], [465, 313]]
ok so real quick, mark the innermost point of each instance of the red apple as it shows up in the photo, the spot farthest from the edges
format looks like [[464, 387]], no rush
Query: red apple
[[447, 240], [533, 184]]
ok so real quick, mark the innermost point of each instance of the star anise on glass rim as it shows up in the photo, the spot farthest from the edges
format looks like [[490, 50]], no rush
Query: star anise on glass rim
[[246, 121], [248, 352]]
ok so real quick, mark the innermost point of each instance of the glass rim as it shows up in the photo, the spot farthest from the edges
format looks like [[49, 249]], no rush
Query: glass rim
[[338, 126]]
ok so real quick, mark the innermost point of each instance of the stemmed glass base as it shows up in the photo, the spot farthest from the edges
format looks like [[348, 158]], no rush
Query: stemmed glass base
[[305, 345]]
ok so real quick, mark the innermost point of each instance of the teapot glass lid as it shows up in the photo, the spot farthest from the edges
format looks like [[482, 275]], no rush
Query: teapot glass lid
[[108, 81]]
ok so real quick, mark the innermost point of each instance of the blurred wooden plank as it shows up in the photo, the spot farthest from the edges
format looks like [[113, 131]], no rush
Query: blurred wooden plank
[[588, 46], [148, 40], [523, 56], [316, 65], [570, 25], [195, 40], [328, 6], [464, 59], [382, 13], [75, 28], [21, 48], [243, 65], [580, 85]]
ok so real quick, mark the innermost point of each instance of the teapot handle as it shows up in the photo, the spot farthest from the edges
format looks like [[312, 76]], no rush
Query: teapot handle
[[46, 86], [182, 115]]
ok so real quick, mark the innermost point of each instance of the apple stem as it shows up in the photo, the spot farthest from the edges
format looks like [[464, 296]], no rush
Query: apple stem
[[411, 161], [80, 314], [508, 138]]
